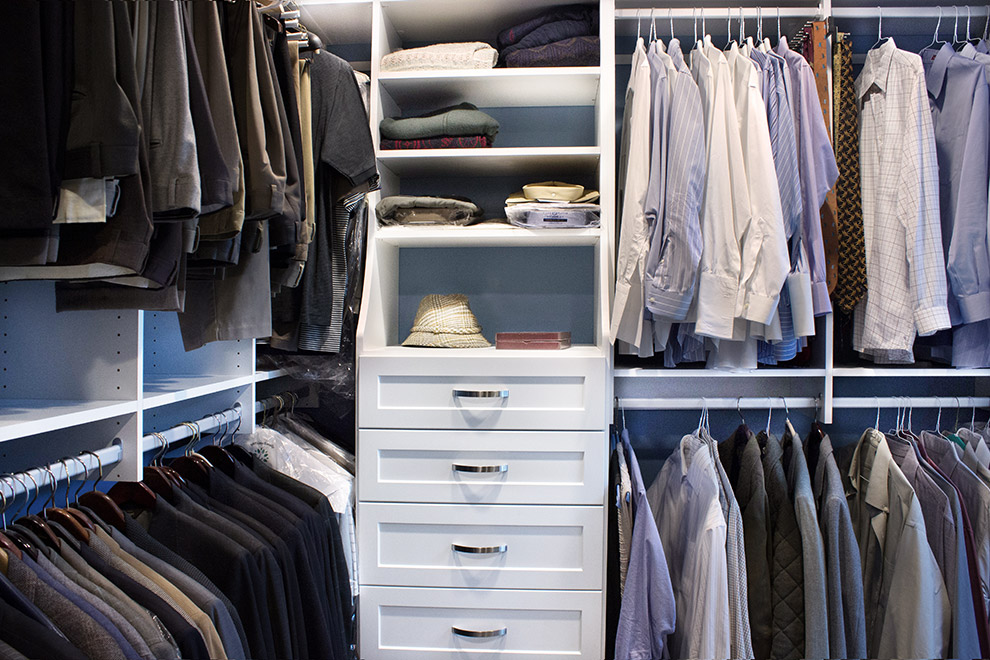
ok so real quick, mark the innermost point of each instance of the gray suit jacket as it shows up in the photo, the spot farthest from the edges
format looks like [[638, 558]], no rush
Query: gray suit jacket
[[81, 629]]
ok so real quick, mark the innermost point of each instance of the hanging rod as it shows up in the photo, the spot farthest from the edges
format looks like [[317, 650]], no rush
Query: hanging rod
[[83, 464], [714, 13], [930, 11], [181, 433], [717, 403], [911, 402]]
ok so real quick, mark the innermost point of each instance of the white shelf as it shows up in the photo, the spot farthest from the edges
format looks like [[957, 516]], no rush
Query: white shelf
[[161, 390], [544, 162], [487, 88], [896, 372], [638, 372], [24, 417], [582, 351], [262, 376], [488, 234]]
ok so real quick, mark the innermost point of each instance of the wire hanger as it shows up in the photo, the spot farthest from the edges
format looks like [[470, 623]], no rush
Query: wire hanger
[[778, 24], [694, 17], [728, 29], [670, 15], [739, 410], [955, 28], [938, 25], [653, 26], [880, 37], [876, 425], [769, 413], [639, 27]]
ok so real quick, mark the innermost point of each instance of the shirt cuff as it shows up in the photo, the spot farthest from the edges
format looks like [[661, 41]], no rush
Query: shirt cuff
[[618, 307], [667, 303], [760, 308], [930, 320], [716, 305], [820, 298], [975, 307]]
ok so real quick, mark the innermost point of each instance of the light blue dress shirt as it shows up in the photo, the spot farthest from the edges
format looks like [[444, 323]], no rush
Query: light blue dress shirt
[[648, 611], [675, 247]]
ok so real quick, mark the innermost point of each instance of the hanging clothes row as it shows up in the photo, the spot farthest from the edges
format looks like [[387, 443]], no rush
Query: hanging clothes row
[[913, 130], [725, 164], [194, 157], [788, 548], [217, 555]]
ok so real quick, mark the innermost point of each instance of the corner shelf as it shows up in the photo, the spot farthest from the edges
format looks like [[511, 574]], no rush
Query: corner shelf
[[541, 162], [546, 86]]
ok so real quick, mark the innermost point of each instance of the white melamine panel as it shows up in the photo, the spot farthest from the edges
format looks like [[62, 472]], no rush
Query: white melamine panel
[[165, 355], [487, 234], [520, 392], [549, 467], [481, 547], [538, 162], [418, 624], [490, 88]]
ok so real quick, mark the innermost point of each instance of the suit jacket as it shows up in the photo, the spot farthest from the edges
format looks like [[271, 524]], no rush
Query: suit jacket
[[81, 629], [33, 638], [17, 600]]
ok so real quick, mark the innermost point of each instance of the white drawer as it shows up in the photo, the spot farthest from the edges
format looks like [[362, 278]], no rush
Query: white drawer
[[483, 392], [459, 545], [487, 467], [418, 624]]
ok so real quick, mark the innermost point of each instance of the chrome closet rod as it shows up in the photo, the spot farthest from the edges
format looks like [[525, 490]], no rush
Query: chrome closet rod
[[948, 402], [717, 403], [209, 424], [929, 11], [82, 464], [715, 13]]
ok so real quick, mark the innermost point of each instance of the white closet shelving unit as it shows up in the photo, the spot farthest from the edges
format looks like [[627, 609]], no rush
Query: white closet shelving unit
[[480, 517], [84, 380]]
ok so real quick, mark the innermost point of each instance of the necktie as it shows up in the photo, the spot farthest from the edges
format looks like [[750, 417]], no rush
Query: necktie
[[852, 251], [830, 234]]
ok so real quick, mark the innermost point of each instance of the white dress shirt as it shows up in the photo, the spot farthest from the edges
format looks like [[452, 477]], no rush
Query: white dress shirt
[[725, 209], [685, 500], [629, 304], [905, 270]]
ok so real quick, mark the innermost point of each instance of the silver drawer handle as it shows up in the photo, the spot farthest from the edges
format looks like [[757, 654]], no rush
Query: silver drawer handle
[[479, 633], [481, 394], [480, 468], [480, 550]]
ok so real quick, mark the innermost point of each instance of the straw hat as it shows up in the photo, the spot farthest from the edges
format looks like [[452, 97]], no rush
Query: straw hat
[[445, 322]]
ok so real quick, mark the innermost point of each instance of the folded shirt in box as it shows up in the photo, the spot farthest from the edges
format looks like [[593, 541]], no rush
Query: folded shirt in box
[[554, 215], [576, 51], [439, 57], [467, 142], [413, 210], [460, 120]]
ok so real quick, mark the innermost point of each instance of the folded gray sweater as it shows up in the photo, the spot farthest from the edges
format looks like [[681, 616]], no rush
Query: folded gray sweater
[[455, 121]]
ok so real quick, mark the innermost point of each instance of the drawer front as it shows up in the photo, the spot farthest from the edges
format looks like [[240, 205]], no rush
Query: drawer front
[[479, 393], [418, 624], [484, 467], [499, 547]]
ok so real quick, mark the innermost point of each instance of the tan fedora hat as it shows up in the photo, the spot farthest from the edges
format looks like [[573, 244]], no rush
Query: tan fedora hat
[[445, 322]]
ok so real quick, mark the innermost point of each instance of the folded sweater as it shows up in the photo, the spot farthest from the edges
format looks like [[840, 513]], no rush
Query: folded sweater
[[456, 121]]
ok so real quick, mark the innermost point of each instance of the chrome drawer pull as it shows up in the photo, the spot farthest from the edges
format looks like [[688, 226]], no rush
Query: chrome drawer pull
[[483, 550], [480, 468], [481, 394], [479, 633]]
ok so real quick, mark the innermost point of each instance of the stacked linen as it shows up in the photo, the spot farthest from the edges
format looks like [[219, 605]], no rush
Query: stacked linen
[[442, 57]]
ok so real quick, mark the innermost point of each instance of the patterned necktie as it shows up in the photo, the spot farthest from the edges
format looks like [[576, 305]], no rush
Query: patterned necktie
[[852, 249], [830, 232]]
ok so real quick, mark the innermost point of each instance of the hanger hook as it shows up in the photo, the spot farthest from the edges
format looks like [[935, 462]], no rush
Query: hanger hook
[[639, 28], [99, 463], [728, 28], [969, 17], [82, 481], [704, 30], [694, 18], [938, 420], [769, 412], [938, 25], [68, 480], [739, 410], [787, 411], [701, 417], [778, 22], [910, 415], [53, 482], [742, 27], [653, 25], [955, 26], [37, 491], [3, 496], [972, 420], [877, 424], [670, 15]]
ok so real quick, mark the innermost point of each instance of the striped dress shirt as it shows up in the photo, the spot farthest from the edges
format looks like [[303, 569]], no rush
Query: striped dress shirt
[[906, 292], [676, 244]]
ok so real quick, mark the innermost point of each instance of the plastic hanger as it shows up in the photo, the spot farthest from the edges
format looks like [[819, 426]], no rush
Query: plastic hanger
[[100, 503], [955, 30], [938, 25]]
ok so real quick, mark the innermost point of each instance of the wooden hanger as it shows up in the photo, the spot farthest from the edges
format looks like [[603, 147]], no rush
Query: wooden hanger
[[80, 516], [155, 477], [37, 525], [101, 504], [62, 515]]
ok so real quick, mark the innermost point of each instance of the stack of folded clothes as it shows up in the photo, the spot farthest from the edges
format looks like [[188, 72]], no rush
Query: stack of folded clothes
[[562, 36], [461, 126], [553, 205], [410, 210], [442, 57]]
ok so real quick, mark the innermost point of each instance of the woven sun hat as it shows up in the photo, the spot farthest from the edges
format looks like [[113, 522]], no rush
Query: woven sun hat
[[445, 322]]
